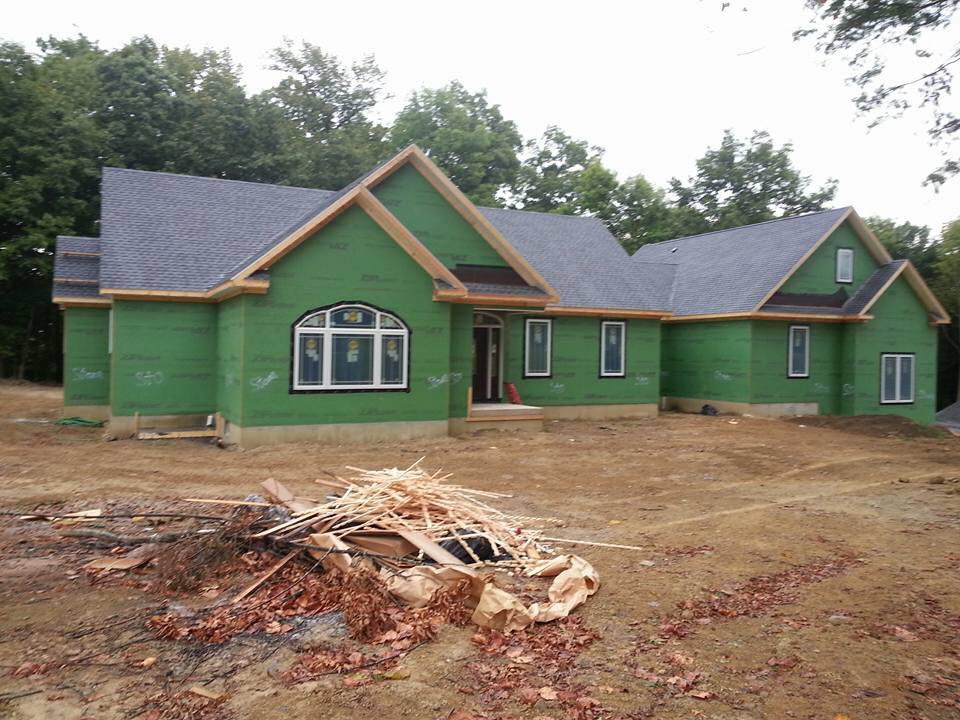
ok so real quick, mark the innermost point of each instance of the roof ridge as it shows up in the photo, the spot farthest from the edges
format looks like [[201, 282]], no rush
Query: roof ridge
[[215, 179], [541, 212], [740, 227]]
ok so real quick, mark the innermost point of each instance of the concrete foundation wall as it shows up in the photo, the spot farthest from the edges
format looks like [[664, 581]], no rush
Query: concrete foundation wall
[[125, 425], [94, 412], [693, 405], [249, 437], [600, 412]]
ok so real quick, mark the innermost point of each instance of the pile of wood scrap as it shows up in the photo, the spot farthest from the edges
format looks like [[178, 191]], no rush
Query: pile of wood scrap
[[423, 533]]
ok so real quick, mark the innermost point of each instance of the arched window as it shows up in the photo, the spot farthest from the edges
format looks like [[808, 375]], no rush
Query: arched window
[[350, 347]]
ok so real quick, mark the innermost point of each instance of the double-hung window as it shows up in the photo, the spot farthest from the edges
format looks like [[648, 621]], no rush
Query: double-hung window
[[798, 352], [537, 347], [613, 337], [350, 347], [896, 378], [844, 265]]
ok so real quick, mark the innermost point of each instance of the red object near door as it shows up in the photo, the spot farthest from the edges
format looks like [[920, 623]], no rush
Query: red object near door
[[512, 393]]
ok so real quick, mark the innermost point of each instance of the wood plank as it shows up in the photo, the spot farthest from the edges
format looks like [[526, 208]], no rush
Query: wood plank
[[430, 548], [266, 576], [383, 544]]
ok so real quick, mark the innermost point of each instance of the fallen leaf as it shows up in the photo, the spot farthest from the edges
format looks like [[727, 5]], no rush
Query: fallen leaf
[[397, 673], [529, 695], [548, 693], [209, 694], [904, 634], [702, 695], [148, 662]]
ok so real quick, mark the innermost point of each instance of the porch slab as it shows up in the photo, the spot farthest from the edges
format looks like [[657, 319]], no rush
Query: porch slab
[[490, 411]]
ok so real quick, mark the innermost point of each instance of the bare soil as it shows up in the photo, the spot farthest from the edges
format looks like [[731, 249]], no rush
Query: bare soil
[[805, 568]]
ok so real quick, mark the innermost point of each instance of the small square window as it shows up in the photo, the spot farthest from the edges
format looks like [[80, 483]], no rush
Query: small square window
[[844, 265]]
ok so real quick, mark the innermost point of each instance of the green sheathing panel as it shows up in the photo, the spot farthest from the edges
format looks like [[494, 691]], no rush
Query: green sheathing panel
[[768, 366], [230, 317], [426, 214], [164, 358], [461, 358], [351, 259], [575, 378], [709, 360], [86, 363], [818, 274], [899, 326]]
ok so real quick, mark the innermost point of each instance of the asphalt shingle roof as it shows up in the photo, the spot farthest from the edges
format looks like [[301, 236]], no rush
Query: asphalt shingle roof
[[871, 287], [733, 270], [161, 231], [76, 259], [582, 261]]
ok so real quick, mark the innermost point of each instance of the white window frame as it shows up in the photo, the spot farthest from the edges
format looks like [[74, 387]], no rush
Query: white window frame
[[377, 332], [528, 323], [791, 372], [603, 348], [898, 357], [844, 252]]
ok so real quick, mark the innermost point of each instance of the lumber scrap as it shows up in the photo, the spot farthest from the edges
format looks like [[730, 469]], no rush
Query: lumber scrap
[[263, 578], [430, 548]]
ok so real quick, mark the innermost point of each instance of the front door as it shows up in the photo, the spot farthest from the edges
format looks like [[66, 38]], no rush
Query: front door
[[486, 364]]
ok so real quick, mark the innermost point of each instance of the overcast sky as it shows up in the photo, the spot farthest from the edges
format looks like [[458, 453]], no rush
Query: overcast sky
[[653, 83]]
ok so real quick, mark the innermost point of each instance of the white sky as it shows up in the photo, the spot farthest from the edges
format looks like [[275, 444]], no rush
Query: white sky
[[653, 83]]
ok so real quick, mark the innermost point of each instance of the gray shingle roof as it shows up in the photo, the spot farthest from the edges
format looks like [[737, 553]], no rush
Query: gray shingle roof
[[162, 231], [582, 261], [732, 270], [76, 260], [871, 287]]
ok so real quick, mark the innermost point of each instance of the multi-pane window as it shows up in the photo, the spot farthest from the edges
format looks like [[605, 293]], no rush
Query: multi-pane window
[[798, 352], [844, 265], [896, 378], [613, 336], [350, 347], [537, 347]]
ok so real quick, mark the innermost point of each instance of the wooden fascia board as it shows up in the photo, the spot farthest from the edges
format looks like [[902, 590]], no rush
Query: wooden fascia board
[[78, 253], [76, 281], [65, 302], [135, 293], [927, 297], [806, 256], [872, 243], [469, 212], [495, 300], [379, 213], [609, 312]]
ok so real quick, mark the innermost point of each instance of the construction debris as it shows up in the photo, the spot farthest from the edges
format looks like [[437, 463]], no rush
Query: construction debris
[[424, 533], [397, 553]]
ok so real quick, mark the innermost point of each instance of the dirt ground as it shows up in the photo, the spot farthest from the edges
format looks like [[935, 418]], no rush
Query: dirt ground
[[805, 568]]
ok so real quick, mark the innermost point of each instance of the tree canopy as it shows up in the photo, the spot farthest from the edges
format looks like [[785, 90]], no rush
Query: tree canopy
[[865, 30]]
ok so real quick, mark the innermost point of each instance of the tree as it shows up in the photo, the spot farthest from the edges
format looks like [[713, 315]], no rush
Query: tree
[[550, 176], [639, 214], [947, 285], [50, 148], [743, 182], [858, 28], [906, 240], [466, 136], [322, 132]]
